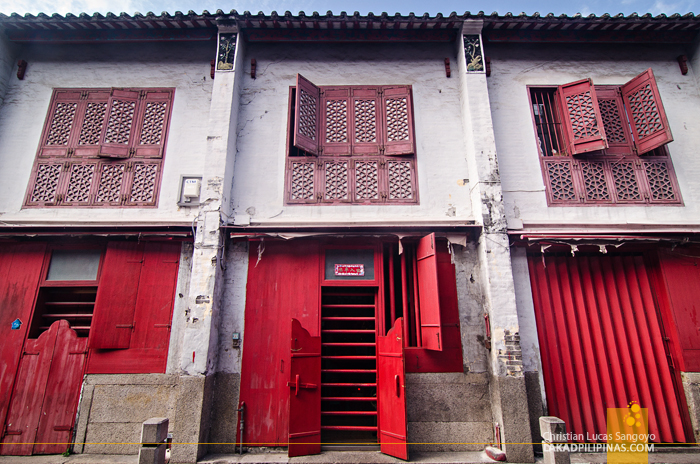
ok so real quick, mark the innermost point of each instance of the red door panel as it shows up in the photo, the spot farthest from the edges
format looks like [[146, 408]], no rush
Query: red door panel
[[304, 393], [62, 392], [429, 294], [28, 394], [20, 268], [391, 392]]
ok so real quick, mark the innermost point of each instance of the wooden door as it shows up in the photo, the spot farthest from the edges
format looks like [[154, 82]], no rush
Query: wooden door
[[305, 393], [391, 394]]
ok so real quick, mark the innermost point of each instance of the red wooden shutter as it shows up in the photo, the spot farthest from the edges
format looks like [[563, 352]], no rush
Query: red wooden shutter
[[43, 188], [118, 132], [91, 120], [59, 129], [305, 393], [111, 178], [429, 294], [336, 124], [113, 318], [153, 121], [612, 112], [307, 120], [646, 112], [581, 121], [81, 184], [397, 116], [366, 116], [391, 392], [144, 183]]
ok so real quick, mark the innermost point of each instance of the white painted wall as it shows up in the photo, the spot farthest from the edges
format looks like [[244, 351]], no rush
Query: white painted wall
[[516, 66], [7, 63], [258, 187], [184, 66]]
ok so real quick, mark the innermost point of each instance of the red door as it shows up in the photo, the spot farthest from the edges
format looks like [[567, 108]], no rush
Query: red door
[[304, 393], [391, 392]]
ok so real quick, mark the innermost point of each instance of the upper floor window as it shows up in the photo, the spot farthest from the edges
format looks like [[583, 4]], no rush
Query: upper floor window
[[101, 147], [604, 144], [350, 144]]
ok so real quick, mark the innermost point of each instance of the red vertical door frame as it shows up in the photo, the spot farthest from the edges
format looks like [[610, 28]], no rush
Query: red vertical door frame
[[28, 394], [20, 266], [429, 294], [391, 393], [304, 393], [62, 392]]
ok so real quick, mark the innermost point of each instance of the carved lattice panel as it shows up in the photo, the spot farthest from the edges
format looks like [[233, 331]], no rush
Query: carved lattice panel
[[594, 181], [46, 183], [612, 121], [561, 181], [61, 123], [336, 186], [307, 114], [80, 183], [121, 118], [645, 113], [153, 123], [336, 121], [400, 180], [626, 182], [366, 180], [365, 121], [582, 115], [302, 187], [397, 119], [660, 183], [92, 124], [143, 186], [111, 180]]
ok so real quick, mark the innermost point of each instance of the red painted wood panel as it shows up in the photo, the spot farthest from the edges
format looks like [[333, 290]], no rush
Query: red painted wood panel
[[62, 392], [283, 283], [20, 268], [28, 394], [113, 317], [304, 392], [152, 314], [391, 392], [582, 123], [601, 343], [117, 111], [397, 114], [307, 117], [429, 294]]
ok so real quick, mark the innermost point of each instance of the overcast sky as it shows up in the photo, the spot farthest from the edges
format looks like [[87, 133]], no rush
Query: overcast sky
[[419, 7]]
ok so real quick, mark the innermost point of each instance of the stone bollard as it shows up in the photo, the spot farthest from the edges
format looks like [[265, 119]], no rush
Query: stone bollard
[[154, 433], [553, 432]]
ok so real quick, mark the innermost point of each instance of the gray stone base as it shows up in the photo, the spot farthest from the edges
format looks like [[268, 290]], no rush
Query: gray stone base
[[691, 386], [534, 404], [222, 435]]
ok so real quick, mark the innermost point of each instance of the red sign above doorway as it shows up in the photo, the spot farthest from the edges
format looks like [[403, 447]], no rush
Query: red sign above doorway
[[349, 269]]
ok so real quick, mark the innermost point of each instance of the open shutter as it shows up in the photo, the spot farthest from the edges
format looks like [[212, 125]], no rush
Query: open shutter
[[154, 119], [113, 317], [336, 125], [118, 132], [429, 294], [307, 120], [391, 392], [397, 115], [305, 393], [581, 120], [646, 112], [366, 131]]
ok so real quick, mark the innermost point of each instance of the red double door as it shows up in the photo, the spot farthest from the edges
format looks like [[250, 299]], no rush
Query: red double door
[[305, 393]]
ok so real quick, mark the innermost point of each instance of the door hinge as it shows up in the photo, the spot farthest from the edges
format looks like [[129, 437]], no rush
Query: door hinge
[[125, 326]]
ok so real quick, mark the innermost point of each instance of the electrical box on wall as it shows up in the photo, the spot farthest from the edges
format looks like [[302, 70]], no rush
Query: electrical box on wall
[[190, 190]]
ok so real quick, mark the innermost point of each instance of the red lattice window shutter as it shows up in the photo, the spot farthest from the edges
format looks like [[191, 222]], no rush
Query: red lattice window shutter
[[366, 116], [397, 114], [79, 191], [646, 112], [153, 121], [145, 180], [307, 121], [581, 119], [118, 132], [336, 123]]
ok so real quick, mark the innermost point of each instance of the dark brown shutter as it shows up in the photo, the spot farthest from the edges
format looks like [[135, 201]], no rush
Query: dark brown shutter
[[581, 121], [113, 317], [429, 294], [336, 124], [153, 122], [397, 116], [646, 112], [307, 116], [119, 130]]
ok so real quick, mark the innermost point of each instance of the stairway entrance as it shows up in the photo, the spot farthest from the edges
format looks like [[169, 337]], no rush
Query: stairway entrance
[[348, 367]]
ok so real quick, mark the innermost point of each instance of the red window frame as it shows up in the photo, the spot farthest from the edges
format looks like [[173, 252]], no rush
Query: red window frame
[[328, 163], [606, 168], [87, 158]]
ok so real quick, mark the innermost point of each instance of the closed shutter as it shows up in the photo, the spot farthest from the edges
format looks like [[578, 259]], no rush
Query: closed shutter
[[336, 123], [153, 122], [397, 114], [429, 294], [118, 132], [307, 116], [581, 120], [59, 129], [646, 112], [113, 317], [366, 130], [80, 179]]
